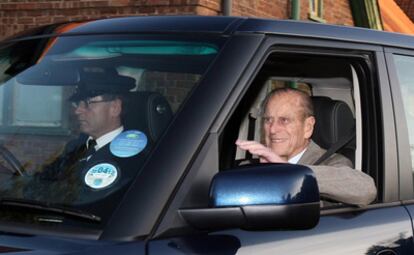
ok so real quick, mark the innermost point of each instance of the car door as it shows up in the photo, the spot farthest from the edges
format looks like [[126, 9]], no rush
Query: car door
[[384, 227], [400, 63]]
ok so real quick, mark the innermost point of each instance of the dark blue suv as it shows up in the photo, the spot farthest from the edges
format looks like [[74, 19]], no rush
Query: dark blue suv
[[171, 180]]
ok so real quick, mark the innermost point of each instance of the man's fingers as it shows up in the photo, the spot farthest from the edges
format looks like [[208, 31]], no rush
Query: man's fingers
[[265, 154], [263, 160], [260, 150], [257, 150], [248, 145], [254, 147], [243, 143]]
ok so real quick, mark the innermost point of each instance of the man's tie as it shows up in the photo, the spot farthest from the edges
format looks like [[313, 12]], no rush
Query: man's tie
[[91, 148]]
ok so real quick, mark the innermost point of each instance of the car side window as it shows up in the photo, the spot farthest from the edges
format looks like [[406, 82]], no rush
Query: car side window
[[323, 77], [405, 75], [329, 80]]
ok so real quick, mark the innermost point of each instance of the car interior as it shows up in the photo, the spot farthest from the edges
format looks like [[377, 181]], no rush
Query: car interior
[[332, 83]]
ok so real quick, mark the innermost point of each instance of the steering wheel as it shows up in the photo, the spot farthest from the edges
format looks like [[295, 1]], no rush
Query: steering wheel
[[15, 164]]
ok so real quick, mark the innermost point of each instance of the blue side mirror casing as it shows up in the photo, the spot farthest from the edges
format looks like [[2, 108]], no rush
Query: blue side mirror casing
[[259, 197]]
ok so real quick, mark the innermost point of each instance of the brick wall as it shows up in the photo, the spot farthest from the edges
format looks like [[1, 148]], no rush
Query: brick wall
[[32, 151], [408, 7], [338, 12], [266, 9], [18, 15], [174, 86], [335, 11]]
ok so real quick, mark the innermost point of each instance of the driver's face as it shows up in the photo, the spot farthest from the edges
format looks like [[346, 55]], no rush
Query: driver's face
[[97, 116], [287, 131]]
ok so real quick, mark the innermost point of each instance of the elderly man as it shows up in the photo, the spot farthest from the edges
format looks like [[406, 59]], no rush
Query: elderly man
[[288, 127]]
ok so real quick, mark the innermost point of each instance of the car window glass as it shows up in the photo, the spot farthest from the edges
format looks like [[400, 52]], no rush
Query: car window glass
[[60, 94], [405, 75], [323, 78], [334, 81]]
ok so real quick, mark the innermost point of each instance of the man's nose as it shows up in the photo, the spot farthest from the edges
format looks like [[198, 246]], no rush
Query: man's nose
[[80, 108], [275, 126]]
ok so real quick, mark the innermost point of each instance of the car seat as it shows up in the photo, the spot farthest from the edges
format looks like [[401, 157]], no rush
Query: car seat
[[334, 121], [148, 112]]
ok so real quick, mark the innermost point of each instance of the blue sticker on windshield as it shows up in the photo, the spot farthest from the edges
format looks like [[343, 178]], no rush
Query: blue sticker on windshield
[[128, 143], [101, 176]]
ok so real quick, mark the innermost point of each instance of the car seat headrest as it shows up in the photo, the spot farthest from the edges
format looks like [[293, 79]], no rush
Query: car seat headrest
[[148, 112], [334, 120]]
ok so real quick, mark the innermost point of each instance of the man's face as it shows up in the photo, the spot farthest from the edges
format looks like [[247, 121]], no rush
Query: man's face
[[99, 116], [287, 131]]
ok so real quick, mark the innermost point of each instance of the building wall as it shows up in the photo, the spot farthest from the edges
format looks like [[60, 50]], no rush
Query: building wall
[[338, 12], [335, 11], [19, 15], [407, 6]]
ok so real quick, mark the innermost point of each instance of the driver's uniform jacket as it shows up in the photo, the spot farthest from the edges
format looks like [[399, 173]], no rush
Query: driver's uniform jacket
[[67, 172]]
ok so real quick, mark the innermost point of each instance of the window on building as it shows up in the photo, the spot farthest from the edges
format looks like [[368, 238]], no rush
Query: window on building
[[48, 112], [316, 10]]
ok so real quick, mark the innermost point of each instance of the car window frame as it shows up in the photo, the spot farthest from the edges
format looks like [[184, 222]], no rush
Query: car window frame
[[404, 156], [388, 179]]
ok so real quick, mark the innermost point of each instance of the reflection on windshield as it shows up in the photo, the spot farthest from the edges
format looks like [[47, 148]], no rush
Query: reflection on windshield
[[79, 119]]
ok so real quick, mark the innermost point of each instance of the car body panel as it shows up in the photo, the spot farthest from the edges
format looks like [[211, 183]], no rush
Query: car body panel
[[366, 232], [360, 232], [55, 245]]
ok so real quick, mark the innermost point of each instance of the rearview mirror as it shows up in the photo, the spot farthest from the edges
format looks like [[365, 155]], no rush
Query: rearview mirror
[[259, 197], [48, 73]]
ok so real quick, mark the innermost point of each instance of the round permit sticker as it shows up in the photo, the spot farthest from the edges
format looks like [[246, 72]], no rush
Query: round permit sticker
[[128, 143], [101, 176]]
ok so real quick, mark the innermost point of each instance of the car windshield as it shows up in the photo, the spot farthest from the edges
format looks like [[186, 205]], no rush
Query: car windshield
[[80, 115]]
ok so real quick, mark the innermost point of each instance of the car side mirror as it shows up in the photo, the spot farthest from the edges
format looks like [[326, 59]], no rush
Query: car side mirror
[[260, 197]]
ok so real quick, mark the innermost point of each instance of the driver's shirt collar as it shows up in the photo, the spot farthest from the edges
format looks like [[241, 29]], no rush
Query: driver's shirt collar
[[106, 138], [296, 158]]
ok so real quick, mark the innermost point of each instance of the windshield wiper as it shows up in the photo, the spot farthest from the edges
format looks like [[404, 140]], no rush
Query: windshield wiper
[[43, 207]]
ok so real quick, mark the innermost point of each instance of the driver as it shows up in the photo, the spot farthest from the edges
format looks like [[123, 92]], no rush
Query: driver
[[288, 126]]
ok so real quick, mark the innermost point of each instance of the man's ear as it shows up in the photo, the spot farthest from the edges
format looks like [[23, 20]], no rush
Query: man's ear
[[116, 107], [309, 125]]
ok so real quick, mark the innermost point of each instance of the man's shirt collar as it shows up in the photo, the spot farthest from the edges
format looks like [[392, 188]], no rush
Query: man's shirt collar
[[106, 138], [296, 158]]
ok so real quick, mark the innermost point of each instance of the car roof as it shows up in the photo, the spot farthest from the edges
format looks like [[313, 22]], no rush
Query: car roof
[[325, 31], [228, 25]]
